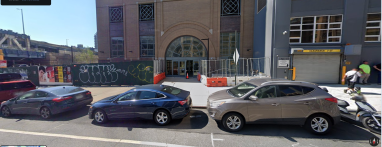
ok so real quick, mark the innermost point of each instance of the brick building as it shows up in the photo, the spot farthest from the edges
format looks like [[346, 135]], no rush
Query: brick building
[[173, 30]]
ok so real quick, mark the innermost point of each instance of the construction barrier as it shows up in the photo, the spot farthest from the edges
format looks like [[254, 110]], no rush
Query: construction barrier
[[216, 82], [199, 77], [159, 77], [203, 79]]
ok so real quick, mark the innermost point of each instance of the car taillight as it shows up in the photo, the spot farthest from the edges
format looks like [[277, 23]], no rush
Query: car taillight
[[334, 100], [60, 99], [89, 93], [182, 102]]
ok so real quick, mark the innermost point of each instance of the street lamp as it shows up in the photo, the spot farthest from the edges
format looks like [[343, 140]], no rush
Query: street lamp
[[22, 17], [208, 54]]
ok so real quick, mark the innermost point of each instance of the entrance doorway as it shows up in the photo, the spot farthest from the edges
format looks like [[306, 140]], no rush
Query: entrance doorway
[[183, 56]]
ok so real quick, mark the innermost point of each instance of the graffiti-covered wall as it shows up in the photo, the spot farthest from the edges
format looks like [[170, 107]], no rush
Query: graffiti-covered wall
[[27, 73], [121, 73]]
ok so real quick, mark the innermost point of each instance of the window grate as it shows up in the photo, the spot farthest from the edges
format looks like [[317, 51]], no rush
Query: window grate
[[228, 44], [146, 12], [230, 7], [116, 14]]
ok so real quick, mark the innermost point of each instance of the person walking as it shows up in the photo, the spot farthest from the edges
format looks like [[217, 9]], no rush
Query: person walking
[[378, 67], [365, 71], [351, 78]]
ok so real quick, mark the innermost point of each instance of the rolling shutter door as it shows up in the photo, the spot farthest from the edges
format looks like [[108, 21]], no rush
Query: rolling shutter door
[[317, 68]]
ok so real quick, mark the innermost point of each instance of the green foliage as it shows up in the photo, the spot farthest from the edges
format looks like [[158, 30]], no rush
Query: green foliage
[[86, 56]]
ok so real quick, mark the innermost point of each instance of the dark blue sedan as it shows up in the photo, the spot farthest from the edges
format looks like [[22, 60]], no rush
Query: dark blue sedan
[[47, 102], [159, 102]]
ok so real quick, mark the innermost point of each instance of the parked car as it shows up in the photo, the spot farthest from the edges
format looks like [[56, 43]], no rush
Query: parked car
[[159, 102], [11, 89], [47, 102], [274, 101]]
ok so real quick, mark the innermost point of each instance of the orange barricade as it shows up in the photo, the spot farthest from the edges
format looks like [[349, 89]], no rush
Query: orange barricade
[[159, 77], [216, 82], [199, 76]]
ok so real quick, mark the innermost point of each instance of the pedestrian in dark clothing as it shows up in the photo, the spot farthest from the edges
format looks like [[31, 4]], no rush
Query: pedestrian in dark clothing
[[378, 67]]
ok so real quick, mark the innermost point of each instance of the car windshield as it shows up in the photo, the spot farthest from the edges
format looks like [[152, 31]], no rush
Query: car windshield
[[171, 90], [241, 89]]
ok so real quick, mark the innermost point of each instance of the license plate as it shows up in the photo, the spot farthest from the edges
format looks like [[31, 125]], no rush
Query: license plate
[[79, 96]]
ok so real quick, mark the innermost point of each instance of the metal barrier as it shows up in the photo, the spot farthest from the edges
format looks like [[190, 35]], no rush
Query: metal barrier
[[159, 67], [246, 67]]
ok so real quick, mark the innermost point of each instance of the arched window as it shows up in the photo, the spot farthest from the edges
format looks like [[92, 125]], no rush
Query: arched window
[[186, 46]]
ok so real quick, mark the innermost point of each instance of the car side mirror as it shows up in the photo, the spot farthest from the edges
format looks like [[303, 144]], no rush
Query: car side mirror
[[115, 101], [253, 98]]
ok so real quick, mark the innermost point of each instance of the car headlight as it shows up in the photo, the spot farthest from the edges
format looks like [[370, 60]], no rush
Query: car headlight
[[216, 104]]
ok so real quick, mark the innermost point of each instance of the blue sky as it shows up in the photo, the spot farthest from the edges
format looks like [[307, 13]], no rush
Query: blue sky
[[64, 19]]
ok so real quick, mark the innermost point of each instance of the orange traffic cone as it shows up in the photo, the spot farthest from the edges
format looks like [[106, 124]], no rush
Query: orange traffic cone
[[187, 76]]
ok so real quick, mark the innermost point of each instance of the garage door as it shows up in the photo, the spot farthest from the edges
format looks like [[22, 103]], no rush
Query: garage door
[[317, 68]]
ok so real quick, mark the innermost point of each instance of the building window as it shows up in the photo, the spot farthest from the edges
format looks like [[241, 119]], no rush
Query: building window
[[186, 46], [147, 44], [146, 12], [316, 29], [228, 44], [116, 14], [260, 5], [230, 7], [116, 47], [373, 27]]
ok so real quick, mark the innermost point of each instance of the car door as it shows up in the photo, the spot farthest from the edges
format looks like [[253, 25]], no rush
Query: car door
[[295, 105], [33, 104], [267, 106], [122, 107], [145, 106], [20, 106]]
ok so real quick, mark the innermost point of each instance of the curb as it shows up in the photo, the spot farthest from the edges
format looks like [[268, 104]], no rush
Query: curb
[[200, 107]]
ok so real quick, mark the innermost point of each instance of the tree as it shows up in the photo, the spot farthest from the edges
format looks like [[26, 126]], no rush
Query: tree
[[85, 56]]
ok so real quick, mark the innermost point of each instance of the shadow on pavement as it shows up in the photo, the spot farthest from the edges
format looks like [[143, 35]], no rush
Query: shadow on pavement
[[65, 116], [341, 131], [195, 120]]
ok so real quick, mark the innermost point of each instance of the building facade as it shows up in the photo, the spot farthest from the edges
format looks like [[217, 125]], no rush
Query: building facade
[[320, 39], [176, 31]]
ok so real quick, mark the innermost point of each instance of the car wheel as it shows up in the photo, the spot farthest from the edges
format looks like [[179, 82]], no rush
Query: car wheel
[[45, 113], [233, 122], [5, 111], [318, 124], [162, 117], [100, 117]]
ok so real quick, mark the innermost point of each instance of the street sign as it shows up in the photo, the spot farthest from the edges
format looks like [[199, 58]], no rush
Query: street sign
[[283, 62], [236, 56]]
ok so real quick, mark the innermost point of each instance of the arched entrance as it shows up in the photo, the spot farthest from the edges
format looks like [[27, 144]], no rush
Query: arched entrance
[[183, 56]]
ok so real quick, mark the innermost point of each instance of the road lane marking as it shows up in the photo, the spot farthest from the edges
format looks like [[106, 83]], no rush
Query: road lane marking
[[92, 138], [212, 139]]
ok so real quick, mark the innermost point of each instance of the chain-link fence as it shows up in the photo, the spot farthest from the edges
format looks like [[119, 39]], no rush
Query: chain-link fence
[[159, 66], [228, 68]]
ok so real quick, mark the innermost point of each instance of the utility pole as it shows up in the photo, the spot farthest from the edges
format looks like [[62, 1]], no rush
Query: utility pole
[[22, 17], [71, 48]]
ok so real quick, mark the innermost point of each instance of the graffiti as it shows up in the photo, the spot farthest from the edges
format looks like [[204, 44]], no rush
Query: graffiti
[[123, 73], [141, 72], [100, 73]]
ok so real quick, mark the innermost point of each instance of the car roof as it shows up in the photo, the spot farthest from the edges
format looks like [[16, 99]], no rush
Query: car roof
[[17, 81], [269, 81], [156, 87]]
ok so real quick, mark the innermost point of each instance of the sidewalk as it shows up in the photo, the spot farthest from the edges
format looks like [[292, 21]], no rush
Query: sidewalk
[[200, 92], [371, 92]]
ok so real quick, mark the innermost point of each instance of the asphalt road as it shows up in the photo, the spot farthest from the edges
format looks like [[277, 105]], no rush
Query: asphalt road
[[197, 129]]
